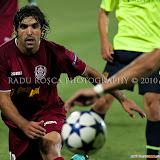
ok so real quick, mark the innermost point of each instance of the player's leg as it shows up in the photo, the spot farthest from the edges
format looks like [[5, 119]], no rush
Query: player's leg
[[51, 143], [152, 108], [50, 146], [150, 88]]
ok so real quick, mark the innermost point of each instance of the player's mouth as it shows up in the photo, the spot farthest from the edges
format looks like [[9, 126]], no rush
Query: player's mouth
[[30, 41]]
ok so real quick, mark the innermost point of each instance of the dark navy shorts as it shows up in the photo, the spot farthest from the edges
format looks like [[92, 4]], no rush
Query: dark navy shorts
[[123, 58]]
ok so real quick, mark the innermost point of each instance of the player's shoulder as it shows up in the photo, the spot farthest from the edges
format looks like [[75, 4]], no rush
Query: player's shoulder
[[55, 47]]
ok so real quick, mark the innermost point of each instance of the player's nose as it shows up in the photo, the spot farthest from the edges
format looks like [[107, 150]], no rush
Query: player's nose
[[29, 31]]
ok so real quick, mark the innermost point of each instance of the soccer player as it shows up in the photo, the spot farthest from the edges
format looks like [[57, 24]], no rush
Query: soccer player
[[138, 33], [7, 11], [30, 68]]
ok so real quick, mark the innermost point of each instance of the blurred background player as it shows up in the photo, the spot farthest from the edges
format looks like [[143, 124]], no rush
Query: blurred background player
[[138, 33], [32, 110], [7, 10]]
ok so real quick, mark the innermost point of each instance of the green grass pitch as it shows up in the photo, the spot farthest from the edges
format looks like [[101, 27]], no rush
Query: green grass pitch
[[74, 25]]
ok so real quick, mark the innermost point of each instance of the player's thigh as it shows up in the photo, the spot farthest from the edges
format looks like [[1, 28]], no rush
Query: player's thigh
[[150, 84]]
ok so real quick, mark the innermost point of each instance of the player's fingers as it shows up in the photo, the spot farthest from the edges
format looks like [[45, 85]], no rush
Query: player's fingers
[[38, 127], [104, 55], [89, 102], [111, 50], [41, 123], [78, 103], [37, 131], [71, 101], [70, 109], [109, 57], [109, 60], [34, 135], [141, 113], [31, 137], [130, 113]]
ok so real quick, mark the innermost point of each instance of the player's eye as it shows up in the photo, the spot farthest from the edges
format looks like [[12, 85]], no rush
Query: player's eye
[[23, 26], [35, 26]]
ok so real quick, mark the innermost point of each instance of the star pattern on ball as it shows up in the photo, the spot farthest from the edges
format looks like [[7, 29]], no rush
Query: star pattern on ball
[[76, 127]]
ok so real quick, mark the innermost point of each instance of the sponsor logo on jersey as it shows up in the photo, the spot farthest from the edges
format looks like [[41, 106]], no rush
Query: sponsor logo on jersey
[[40, 72], [18, 73], [50, 122]]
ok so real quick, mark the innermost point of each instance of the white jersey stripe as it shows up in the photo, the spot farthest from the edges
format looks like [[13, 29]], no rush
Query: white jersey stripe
[[84, 71]]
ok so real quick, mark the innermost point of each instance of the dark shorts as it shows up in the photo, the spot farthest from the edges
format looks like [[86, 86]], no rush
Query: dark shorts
[[22, 147], [123, 58]]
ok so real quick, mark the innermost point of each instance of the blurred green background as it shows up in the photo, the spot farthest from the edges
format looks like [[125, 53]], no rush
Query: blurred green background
[[74, 24]]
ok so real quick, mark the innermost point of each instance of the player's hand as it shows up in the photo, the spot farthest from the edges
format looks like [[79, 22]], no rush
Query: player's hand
[[33, 129], [129, 105], [84, 97], [107, 51]]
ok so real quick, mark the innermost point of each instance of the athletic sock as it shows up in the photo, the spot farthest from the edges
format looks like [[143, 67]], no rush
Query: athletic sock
[[59, 158], [79, 157], [101, 115], [153, 138]]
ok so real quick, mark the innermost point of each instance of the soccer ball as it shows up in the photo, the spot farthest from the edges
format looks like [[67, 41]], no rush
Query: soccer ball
[[84, 132]]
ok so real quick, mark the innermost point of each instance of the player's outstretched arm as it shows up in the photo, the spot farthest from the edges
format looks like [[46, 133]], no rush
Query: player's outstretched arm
[[87, 97], [32, 129]]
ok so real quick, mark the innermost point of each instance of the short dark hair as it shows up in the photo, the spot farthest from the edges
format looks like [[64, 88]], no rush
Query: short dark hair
[[34, 11]]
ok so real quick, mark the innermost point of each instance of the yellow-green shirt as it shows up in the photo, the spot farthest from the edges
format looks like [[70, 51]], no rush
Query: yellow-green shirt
[[139, 24]]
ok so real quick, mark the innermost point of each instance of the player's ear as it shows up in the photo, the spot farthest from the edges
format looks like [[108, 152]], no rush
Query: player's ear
[[14, 31]]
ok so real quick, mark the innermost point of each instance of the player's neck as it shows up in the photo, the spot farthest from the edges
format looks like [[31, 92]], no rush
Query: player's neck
[[27, 51]]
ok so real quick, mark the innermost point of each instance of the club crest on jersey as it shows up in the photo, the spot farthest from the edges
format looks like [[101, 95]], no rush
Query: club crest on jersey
[[40, 72]]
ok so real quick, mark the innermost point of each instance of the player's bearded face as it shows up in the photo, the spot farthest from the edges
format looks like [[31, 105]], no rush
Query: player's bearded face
[[29, 33]]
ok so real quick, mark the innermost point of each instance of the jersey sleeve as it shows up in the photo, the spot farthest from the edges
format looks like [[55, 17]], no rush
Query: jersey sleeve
[[108, 5], [4, 75], [73, 65]]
